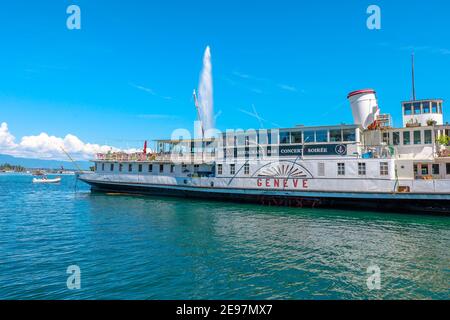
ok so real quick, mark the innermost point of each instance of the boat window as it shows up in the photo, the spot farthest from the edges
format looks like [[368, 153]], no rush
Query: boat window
[[230, 140], [408, 109], [252, 137], [322, 136], [428, 137], [416, 170], [130, 167], [396, 138], [362, 168], [426, 107], [447, 166], [406, 138], [269, 137], [172, 168], [196, 167], [262, 136], [440, 107], [103, 167], [120, 167], [435, 168], [223, 141], [150, 168], [296, 137], [349, 135], [341, 169], [140, 168], [434, 108], [417, 137], [161, 168], [246, 169], [336, 135], [232, 169], [425, 170], [417, 108], [384, 168], [284, 137], [96, 166], [219, 169], [309, 136], [239, 138], [386, 137]]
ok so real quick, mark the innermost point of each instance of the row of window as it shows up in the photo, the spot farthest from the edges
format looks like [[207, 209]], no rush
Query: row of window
[[255, 137], [422, 107], [362, 169], [233, 169], [409, 137], [290, 137], [424, 169], [148, 168], [312, 136]]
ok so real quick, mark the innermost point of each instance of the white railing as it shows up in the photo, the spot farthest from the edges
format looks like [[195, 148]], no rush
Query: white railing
[[157, 157]]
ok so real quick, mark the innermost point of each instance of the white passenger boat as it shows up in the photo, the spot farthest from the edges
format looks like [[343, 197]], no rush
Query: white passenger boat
[[365, 165], [46, 180]]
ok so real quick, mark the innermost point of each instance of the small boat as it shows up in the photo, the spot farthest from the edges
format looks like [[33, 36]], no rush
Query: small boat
[[39, 173], [46, 180]]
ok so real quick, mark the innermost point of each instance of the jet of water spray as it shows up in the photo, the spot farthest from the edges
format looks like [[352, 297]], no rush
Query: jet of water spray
[[205, 99]]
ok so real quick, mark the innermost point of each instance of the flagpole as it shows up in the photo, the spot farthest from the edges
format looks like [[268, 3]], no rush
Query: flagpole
[[413, 78], [197, 107]]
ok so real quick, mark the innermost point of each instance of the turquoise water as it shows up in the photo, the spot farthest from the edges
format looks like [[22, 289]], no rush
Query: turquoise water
[[158, 248]]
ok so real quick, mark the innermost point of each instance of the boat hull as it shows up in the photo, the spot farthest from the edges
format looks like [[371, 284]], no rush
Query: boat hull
[[402, 203], [47, 181]]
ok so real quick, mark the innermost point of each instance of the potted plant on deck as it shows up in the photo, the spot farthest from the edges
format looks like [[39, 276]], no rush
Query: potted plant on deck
[[443, 142], [412, 123]]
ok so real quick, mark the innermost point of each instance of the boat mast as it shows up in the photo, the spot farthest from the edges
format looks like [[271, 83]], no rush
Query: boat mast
[[197, 107], [413, 78], [70, 158]]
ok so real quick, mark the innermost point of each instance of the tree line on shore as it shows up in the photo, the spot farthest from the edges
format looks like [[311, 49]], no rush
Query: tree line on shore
[[8, 167]]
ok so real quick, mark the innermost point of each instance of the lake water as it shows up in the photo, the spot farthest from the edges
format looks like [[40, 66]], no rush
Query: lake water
[[132, 247]]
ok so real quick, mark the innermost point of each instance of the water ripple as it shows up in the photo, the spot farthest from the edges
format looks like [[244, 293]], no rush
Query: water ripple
[[155, 248]]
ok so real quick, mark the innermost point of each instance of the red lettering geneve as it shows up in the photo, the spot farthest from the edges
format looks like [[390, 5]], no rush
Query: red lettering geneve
[[275, 183]]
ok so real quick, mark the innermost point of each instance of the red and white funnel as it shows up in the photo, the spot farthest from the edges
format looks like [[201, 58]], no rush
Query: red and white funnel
[[364, 106]]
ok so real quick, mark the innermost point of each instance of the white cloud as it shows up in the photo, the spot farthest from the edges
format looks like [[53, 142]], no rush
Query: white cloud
[[44, 146], [268, 82], [287, 87], [150, 91], [413, 48], [6, 138], [157, 116]]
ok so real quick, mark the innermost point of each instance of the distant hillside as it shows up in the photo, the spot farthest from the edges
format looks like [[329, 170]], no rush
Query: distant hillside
[[43, 164]]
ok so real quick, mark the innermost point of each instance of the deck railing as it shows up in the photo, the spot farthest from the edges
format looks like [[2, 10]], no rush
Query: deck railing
[[156, 157]]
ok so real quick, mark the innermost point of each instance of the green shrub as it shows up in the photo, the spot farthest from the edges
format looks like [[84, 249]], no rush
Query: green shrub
[[443, 140]]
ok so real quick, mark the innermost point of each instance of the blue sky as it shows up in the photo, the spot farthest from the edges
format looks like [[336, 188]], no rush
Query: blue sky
[[295, 61]]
